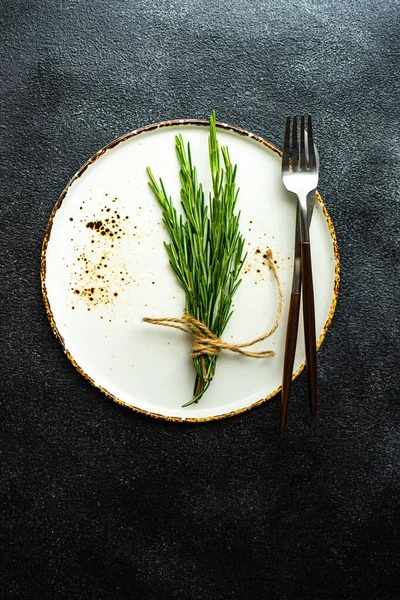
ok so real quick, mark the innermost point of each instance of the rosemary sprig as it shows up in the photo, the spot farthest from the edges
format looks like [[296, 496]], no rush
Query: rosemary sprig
[[206, 251]]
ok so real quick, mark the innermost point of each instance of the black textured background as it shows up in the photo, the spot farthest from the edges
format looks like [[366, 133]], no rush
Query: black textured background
[[99, 502]]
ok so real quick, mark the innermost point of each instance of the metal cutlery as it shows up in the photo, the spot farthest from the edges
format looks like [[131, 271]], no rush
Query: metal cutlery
[[300, 166]]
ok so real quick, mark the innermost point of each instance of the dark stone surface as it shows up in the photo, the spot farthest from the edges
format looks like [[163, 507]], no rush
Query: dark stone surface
[[99, 502]]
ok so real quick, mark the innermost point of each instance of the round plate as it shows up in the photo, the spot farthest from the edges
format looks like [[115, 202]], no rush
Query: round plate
[[104, 268]]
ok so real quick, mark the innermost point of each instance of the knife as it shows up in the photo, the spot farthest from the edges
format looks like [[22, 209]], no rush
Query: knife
[[294, 310]]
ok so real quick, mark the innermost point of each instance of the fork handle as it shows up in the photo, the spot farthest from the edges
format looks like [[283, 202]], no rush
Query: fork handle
[[290, 351], [309, 325]]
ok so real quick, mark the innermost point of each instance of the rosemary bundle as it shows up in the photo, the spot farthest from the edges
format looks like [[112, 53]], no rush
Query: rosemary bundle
[[206, 251]]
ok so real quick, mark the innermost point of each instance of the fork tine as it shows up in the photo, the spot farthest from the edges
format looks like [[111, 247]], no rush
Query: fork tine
[[286, 144], [302, 148], [295, 149], [311, 148]]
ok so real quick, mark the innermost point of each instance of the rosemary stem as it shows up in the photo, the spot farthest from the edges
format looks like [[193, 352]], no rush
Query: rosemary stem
[[206, 248]]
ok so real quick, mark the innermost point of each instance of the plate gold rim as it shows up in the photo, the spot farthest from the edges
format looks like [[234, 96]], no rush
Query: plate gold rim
[[79, 173]]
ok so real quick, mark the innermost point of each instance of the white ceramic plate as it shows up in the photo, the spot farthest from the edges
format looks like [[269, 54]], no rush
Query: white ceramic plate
[[104, 267]]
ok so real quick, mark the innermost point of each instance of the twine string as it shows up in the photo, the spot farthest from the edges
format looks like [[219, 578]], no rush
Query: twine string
[[205, 342]]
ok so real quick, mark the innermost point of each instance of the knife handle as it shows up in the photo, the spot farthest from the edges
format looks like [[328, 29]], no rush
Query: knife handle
[[309, 325], [290, 351]]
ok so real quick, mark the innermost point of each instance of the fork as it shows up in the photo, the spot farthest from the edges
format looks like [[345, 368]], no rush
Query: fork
[[300, 176]]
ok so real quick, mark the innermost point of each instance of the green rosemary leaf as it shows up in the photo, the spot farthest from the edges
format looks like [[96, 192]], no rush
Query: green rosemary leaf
[[206, 251]]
